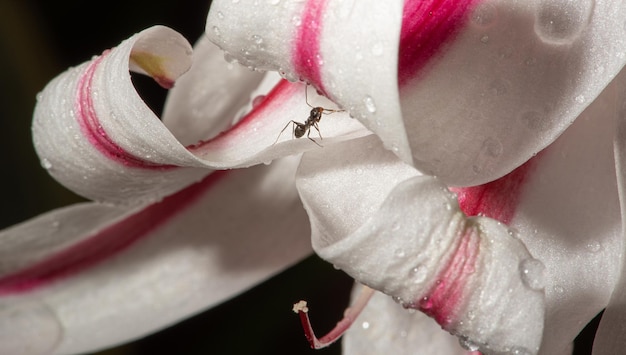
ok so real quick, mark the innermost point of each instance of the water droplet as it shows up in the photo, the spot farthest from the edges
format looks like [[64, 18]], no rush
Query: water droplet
[[484, 39], [370, 105], [468, 344], [533, 273], [399, 253], [485, 15], [419, 273], [21, 323], [257, 100], [377, 49], [533, 120], [530, 61], [492, 147], [296, 21], [519, 351], [580, 99], [562, 21], [216, 31], [594, 246], [45, 163], [365, 325], [39, 96], [220, 15], [256, 39]]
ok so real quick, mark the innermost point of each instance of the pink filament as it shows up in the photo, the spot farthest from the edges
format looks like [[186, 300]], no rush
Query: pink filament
[[342, 326]]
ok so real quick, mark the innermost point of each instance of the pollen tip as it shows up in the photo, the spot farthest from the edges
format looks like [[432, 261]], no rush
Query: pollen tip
[[300, 307], [342, 326]]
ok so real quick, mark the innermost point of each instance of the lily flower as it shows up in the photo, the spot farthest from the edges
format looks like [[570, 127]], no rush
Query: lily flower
[[465, 159]]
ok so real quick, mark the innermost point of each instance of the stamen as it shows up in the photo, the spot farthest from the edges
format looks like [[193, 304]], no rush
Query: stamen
[[349, 316]]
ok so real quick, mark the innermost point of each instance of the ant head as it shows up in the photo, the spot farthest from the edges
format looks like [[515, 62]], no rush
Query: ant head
[[316, 113]]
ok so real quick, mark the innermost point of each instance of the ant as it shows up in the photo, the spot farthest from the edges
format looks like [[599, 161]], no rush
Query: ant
[[299, 129]]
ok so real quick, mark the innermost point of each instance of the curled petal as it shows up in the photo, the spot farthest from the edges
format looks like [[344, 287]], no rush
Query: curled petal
[[95, 135], [107, 274], [346, 49], [564, 205], [383, 327], [466, 90], [406, 237]]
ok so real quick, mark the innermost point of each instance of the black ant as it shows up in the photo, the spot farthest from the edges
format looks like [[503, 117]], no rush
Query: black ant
[[299, 129]]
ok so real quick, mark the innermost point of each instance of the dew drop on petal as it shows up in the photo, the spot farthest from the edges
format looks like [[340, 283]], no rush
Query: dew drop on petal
[[399, 253], [594, 246], [21, 323], [485, 15], [468, 344], [365, 325], [532, 272], [519, 351], [370, 105], [580, 99], [217, 31], [562, 21], [257, 100], [45, 163], [418, 273], [377, 49]]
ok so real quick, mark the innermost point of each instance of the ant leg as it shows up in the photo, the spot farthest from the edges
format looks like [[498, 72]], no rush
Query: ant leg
[[306, 95], [308, 135], [283, 130]]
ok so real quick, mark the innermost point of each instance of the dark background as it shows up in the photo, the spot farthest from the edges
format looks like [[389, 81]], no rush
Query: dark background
[[41, 38]]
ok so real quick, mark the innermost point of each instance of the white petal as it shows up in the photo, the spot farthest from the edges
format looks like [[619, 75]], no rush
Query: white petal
[[405, 236], [207, 99], [385, 327], [483, 85], [96, 136], [97, 275], [564, 206], [346, 49], [609, 338], [512, 80]]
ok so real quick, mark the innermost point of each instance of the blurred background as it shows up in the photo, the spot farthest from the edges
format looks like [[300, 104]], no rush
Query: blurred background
[[41, 38]]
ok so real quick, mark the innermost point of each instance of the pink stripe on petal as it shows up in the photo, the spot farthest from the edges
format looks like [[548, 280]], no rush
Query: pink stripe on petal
[[89, 123], [263, 110], [427, 25], [445, 297], [306, 54], [107, 242], [497, 199]]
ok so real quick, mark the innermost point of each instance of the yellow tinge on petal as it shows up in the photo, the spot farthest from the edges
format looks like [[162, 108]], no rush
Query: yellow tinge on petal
[[155, 66]]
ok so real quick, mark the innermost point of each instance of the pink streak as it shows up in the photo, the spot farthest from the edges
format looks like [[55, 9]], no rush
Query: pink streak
[[106, 243], [263, 110], [91, 128], [497, 199], [427, 26], [446, 296], [306, 53]]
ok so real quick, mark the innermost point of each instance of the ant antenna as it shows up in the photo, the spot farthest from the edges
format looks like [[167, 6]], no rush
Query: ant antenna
[[299, 128]]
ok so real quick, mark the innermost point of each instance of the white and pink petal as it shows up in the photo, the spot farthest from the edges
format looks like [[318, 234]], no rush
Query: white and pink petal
[[95, 134], [90, 276], [403, 234], [465, 90]]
